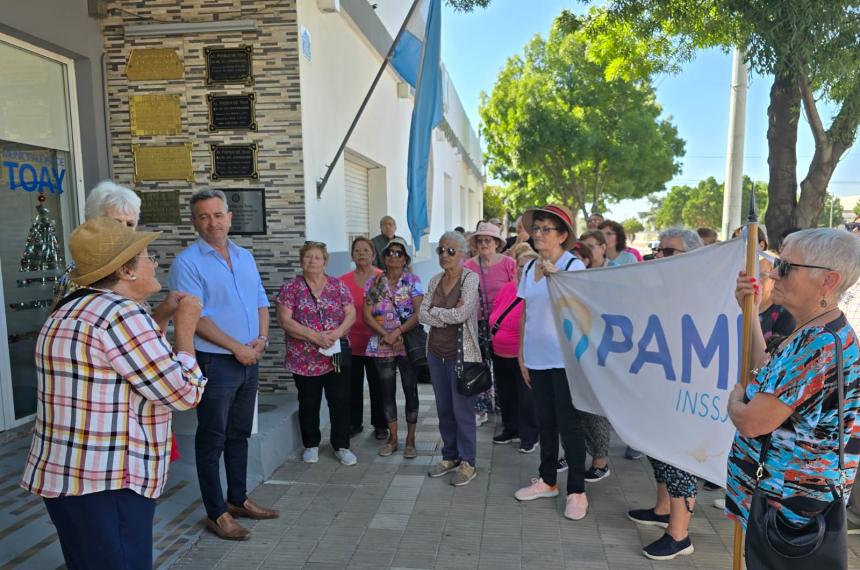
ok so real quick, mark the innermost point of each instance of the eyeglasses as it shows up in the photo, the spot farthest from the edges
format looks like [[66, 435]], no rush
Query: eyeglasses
[[153, 257], [449, 250], [668, 251], [783, 267], [395, 253], [853, 226], [536, 229], [483, 240]]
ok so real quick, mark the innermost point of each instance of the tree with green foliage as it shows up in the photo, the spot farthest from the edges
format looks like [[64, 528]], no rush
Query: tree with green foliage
[[632, 226], [494, 207], [811, 49], [831, 213], [857, 208], [702, 205], [558, 130]]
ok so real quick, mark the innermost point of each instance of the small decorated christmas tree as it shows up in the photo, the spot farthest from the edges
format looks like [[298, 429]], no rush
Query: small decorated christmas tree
[[42, 252]]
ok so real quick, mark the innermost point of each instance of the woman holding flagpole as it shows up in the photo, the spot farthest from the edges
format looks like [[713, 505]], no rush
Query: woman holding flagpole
[[542, 363], [676, 489], [792, 399]]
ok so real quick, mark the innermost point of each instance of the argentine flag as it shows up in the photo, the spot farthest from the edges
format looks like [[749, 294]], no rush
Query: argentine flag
[[417, 58]]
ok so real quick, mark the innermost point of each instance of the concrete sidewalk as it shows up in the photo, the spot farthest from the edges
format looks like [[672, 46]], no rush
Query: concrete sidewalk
[[386, 513]]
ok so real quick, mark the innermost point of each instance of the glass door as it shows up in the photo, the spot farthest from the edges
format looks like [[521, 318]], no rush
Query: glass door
[[38, 208]]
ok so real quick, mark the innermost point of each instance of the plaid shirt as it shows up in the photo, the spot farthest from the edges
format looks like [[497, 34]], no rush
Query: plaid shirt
[[850, 305], [107, 381]]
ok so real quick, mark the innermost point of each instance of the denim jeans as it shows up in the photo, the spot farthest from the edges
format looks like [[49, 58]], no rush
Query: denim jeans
[[516, 400], [225, 417], [387, 368], [456, 412], [556, 415], [109, 529], [360, 365]]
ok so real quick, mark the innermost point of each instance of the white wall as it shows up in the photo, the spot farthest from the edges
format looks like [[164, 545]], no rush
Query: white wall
[[333, 84]]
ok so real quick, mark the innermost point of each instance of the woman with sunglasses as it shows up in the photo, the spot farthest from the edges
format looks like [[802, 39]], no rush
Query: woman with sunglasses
[[542, 362], [316, 311], [792, 393], [676, 489], [451, 305], [617, 251], [495, 271], [390, 303]]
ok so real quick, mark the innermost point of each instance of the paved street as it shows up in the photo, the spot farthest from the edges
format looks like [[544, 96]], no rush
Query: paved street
[[386, 513]]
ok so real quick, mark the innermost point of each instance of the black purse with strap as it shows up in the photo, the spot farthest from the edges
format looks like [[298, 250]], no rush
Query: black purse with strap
[[472, 377], [774, 543]]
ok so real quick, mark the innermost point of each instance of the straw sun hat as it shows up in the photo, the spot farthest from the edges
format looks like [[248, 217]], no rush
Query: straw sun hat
[[561, 212], [100, 246]]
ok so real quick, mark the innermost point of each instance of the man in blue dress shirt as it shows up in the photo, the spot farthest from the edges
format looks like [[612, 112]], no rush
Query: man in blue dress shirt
[[230, 340]]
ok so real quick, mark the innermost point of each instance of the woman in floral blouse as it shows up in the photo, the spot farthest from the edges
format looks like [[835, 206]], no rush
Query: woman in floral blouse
[[316, 311], [390, 303]]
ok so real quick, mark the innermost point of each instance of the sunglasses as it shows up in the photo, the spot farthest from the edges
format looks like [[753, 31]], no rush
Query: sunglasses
[[668, 251], [449, 250], [487, 240], [783, 267], [395, 253], [852, 226]]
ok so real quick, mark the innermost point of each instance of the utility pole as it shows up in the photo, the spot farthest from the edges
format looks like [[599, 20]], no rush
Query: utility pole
[[733, 189]]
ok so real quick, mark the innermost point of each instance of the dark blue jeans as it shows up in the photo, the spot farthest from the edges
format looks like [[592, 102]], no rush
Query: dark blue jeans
[[110, 529], [224, 420], [456, 412]]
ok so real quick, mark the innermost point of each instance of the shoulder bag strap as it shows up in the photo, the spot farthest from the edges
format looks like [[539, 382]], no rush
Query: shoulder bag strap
[[569, 263], [482, 288], [458, 367], [501, 318]]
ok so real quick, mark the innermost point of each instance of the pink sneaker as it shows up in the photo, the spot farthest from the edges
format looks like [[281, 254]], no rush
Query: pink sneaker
[[576, 507], [537, 490]]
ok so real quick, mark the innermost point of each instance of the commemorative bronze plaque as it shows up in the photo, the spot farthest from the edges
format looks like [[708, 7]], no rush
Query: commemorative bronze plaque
[[159, 207], [153, 64], [234, 161], [249, 211], [229, 65], [156, 114], [232, 112], [167, 162]]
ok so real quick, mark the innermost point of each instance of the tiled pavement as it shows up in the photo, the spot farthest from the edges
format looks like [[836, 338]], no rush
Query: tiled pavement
[[386, 513]]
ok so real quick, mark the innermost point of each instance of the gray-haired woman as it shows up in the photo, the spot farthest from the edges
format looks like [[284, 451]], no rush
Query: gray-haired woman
[[793, 397], [451, 302], [676, 489]]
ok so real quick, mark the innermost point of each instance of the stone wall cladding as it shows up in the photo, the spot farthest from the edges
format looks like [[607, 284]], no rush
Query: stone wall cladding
[[279, 135]]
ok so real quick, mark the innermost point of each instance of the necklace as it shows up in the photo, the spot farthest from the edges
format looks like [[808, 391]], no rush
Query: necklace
[[800, 328]]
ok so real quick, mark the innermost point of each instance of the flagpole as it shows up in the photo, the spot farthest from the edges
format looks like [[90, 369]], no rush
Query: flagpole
[[749, 314], [321, 183]]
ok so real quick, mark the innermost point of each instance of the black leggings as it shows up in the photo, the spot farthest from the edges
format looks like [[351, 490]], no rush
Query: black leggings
[[387, 368], [360, 365]]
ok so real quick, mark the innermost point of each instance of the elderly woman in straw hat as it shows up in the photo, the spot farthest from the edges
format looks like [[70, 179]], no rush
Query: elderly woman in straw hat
[[542, 361], [107, 383], [494, 272]]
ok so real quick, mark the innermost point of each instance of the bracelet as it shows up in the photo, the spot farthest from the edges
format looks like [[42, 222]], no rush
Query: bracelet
[[265, 339]]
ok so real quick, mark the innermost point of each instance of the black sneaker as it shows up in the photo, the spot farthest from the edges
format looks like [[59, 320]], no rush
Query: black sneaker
[[528, 448], [380, 433], [648, 517], [667, 548], [595, 474], [631, 453], [506, 437], [562, 465]]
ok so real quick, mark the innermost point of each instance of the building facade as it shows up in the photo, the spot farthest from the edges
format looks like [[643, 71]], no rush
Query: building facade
[[146, 93]]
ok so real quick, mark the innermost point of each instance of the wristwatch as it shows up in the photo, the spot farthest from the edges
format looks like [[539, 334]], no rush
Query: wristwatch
[[265, 339]]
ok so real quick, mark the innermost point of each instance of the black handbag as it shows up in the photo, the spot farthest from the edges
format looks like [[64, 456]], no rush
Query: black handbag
[[773, 543], [472, 377], [415, 340]]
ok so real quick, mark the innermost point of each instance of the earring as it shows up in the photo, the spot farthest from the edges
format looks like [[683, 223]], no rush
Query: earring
[[133, 277], [823, 303]]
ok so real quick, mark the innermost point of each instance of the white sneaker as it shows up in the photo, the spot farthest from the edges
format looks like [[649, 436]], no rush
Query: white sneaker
[[311, 455], [719, 504], [481, 419], [346, 456]]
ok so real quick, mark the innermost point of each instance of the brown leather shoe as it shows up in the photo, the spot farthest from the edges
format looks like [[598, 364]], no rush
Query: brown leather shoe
[[251, 510], [227, 528]]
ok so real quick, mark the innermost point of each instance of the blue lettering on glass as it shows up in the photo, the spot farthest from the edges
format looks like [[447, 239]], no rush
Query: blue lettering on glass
[[661, 357], [24, 176], [718, 342], [28, 185], [607, 342]]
